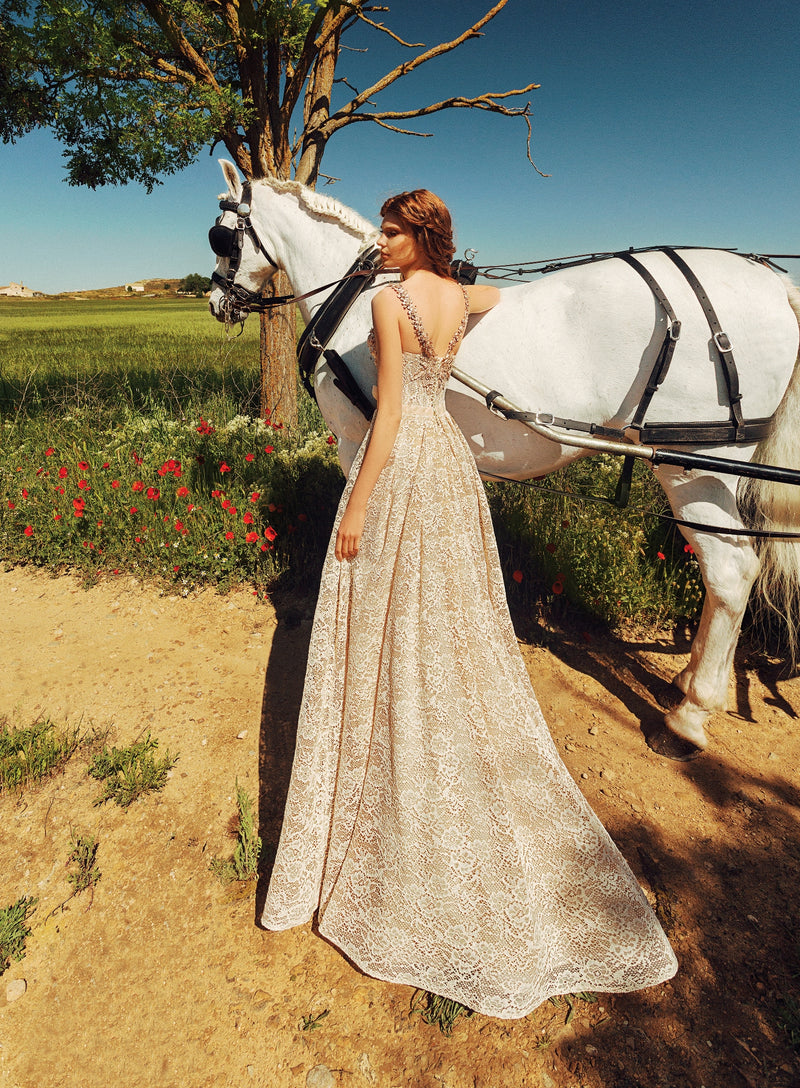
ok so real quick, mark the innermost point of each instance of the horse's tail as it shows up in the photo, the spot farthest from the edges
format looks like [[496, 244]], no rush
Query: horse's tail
[[765, 504]]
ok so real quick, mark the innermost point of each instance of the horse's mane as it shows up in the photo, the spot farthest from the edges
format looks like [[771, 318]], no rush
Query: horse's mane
[[326, 206]]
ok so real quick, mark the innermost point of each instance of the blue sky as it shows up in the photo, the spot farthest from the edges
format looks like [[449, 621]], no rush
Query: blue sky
[[674, 123]]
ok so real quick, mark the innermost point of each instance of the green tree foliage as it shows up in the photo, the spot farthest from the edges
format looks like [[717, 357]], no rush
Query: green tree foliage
[[195, 284], [135, 90]]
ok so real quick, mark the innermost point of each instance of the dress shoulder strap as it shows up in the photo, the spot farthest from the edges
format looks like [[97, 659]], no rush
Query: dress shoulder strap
[[458, 335], [419, 329]]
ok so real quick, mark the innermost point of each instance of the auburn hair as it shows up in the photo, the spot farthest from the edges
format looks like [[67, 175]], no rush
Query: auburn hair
[[429, 220]]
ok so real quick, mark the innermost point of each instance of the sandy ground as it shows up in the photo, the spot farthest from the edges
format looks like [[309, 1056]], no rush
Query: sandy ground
[[163, 977]]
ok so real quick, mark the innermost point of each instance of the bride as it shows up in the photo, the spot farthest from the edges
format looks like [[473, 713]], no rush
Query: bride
[[430, 823]]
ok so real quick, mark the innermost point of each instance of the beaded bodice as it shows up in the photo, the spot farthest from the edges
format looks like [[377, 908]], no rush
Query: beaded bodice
[[425, 374]]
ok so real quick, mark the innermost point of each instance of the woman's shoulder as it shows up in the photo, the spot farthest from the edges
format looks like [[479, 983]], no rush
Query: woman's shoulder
[[482, 297]]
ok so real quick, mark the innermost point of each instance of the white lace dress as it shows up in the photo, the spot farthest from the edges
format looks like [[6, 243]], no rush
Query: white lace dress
[[430, 821]]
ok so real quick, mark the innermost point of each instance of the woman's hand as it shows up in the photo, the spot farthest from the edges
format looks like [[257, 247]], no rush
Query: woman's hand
[[348, 538]]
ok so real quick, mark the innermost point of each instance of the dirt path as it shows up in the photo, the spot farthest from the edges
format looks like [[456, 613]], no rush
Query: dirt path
[[164, 979]]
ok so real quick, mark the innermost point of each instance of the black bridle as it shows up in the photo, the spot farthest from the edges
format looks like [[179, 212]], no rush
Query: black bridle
[[228, 242], [237, 301]]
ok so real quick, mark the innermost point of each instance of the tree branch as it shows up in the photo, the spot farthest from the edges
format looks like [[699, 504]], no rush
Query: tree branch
[[385, 29], [429, 54]]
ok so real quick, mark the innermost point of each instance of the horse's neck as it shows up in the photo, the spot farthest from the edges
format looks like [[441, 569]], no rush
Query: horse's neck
[[312, 250]]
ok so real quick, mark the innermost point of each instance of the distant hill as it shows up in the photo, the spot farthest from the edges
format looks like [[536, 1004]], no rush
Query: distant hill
[[155, 288]]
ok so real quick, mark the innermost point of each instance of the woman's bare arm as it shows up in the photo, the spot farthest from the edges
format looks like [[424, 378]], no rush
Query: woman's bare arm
[[385, 316]]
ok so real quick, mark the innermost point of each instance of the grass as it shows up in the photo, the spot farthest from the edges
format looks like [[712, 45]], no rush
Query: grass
[[131, 444], [32, 752], [130, 772], [244, 863], [14, 931], [441, 1012], [83, 871]]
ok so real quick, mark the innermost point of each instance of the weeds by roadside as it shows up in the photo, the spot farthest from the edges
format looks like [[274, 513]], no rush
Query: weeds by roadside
[[13, 930], [84, 872], [244, 863], [441, 1012], [32, 752], [130, 772]]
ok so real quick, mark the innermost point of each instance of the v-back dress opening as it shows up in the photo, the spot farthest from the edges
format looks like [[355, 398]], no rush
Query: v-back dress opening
[[430, 822]]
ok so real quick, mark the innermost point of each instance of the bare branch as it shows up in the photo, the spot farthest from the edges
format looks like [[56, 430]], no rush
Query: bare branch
[[380, 26], [409, 66]]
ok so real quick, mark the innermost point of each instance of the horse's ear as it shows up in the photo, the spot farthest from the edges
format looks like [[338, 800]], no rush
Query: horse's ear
[[232, 178]]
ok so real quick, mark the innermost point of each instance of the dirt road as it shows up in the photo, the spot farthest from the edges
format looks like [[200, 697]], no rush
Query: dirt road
[[163, 978]]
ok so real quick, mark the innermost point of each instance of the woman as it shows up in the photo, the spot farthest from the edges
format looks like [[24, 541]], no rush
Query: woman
[[430, 821]]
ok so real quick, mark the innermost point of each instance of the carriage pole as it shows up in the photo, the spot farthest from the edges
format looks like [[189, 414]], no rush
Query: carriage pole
[[656, 455]]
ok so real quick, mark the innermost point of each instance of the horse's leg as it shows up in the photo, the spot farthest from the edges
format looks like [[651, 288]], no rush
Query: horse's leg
[[729, 566]]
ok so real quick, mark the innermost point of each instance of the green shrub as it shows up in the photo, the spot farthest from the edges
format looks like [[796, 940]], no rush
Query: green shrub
[[13, 930]]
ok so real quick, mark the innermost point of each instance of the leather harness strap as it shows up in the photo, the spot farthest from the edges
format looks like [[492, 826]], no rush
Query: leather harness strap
[[721, 341]]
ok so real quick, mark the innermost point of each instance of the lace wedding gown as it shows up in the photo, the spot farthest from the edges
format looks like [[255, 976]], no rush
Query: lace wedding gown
[[430, 820]]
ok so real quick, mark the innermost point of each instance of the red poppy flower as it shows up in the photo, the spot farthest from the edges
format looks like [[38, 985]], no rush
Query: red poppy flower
[[176, 569], [182, 492], [269, 449], [24, 492], [99, 524], [106, 464], [229, 536], [270, 533], [251, 538], [558, 587], [49, 451], [178, 526], [83, 485], [550, 548], [232, 510], [272, 508], [60, 490], [204, 427], [256, 495], [660, 555], [517, 576], [63, 472], [688, 548], [115, 484], [190, 507], [83, 465], [79, 503], [224, 468], [57, 517], [247, 518], [264, 548], [153, 493], [302, 517], [11, 505], [136, 458], [138, 539], [225, 504], [137, 485], [78, 513], [215, 494], [28, 530], [134, 509], [331, 439], [250, 457]]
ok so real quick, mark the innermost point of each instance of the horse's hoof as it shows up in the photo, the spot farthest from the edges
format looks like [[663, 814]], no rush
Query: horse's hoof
[[666, 743]]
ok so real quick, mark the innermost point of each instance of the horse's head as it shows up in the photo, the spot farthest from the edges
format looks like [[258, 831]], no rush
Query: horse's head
[[244, 260]]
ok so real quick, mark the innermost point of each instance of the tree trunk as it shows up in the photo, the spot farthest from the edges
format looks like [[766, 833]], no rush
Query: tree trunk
[[278, 392]]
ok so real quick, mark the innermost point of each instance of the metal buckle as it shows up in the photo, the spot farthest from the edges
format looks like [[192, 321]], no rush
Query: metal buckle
[[722, 342], [675, 330]]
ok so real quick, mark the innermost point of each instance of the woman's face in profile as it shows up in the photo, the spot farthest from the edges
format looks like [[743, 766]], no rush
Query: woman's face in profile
[[397, 243]]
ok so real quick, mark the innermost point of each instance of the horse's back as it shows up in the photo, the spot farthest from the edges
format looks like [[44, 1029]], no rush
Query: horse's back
[[581, 341]]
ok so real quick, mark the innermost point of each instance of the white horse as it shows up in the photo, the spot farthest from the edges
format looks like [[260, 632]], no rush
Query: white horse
[[580, 343]]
